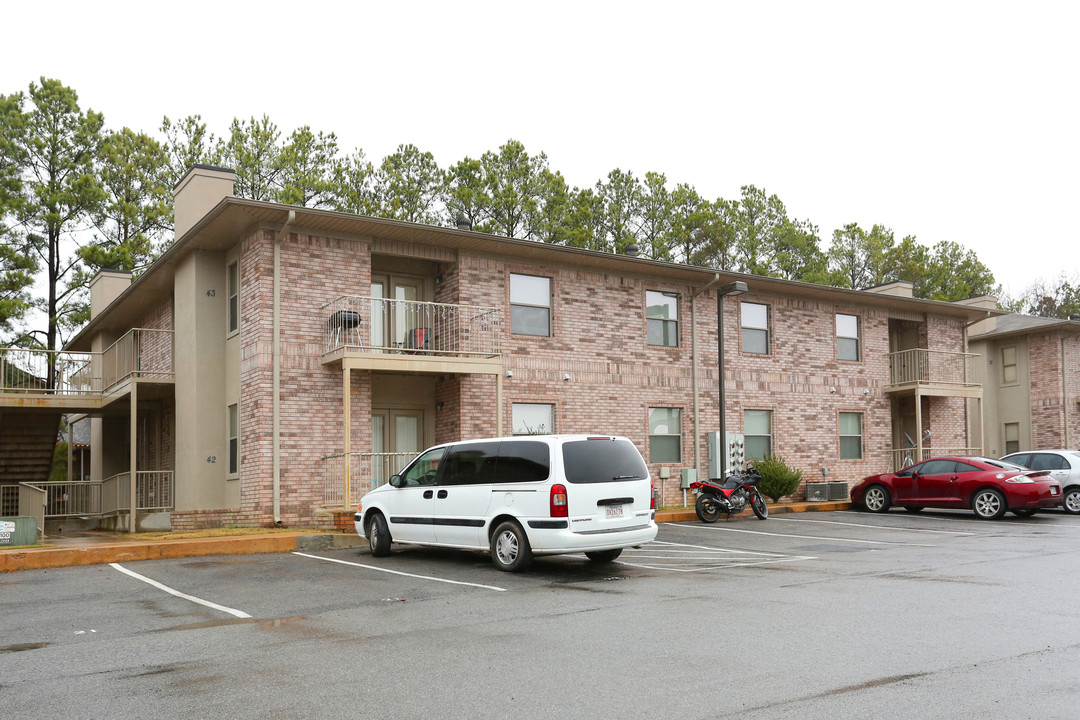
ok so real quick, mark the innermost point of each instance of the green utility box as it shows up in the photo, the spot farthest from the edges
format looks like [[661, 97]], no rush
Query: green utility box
[[19, 530]]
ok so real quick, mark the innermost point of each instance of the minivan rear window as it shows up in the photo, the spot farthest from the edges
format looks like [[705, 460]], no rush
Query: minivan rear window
[[596, 461]]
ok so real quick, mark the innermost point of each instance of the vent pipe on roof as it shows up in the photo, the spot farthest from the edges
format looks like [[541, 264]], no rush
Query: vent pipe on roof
[[463, 223], [632, 250], [1074, 316]]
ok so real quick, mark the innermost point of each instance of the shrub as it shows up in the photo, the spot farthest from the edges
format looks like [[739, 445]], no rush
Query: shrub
[[777, 477]]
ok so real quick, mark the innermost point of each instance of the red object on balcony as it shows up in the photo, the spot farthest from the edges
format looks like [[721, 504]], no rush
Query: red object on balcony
[[419, 339]]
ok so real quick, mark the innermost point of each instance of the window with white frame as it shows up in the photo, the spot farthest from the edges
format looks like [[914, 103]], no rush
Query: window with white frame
[[847, 337], [533, 418], [757, 433], [234, 439], [665, 435], [234, 296], [530, 305], [755, 328], [662, 317], [851, 447]]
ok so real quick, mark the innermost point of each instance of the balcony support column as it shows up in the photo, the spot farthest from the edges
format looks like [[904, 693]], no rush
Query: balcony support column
[[133, 452]]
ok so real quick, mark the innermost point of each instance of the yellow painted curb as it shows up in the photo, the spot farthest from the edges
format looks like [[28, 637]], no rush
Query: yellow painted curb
[[50, 557]]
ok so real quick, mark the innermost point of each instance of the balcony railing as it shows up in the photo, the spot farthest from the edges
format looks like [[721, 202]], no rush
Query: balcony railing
[[920, 366], [139, 353], [27, 371], [902, 458], [112, 496], [383, 325], [367, 471]]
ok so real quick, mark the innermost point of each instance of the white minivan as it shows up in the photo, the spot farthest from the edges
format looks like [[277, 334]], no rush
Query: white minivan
[[517, 497]]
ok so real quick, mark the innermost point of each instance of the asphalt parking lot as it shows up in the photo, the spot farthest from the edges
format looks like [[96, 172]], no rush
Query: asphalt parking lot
[[839, 614]]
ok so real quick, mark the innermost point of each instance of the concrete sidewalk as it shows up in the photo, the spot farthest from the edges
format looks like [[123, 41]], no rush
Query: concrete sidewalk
[[96, 547]]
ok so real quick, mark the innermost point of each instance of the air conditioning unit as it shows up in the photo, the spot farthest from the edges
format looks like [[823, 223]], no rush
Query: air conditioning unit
[[817, 491], [837, 490]]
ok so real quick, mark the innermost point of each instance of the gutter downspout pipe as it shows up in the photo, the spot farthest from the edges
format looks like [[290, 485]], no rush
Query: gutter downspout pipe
[[694, 375], [277, 365]]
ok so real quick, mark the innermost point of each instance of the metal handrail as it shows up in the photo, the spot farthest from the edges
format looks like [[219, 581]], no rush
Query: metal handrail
[[139, 353], [939, 367], [386, 325], [368, 470]]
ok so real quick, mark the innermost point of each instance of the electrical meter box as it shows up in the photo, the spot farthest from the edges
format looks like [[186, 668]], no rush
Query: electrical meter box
[[17, 530]]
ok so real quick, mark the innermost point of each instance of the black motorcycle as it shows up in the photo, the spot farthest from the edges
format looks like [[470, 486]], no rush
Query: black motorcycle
[[731, 495]]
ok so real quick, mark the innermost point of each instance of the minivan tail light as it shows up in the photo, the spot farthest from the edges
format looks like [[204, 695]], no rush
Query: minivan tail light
[[652, 498], [559, 507]]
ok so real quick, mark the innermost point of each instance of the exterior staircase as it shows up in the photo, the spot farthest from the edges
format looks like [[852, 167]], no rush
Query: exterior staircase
[[27, 444]]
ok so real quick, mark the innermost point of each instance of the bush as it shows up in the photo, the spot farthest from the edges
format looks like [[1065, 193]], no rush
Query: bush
[[777, 477]]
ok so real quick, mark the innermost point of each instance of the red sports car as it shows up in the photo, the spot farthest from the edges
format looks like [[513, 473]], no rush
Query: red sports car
[[989, 487]]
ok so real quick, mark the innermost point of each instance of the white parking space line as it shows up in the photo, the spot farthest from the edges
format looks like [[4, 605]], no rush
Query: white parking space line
[[970, 520], [661, 555], [177, 593], [398, 572], [800, 537], [875, 527]]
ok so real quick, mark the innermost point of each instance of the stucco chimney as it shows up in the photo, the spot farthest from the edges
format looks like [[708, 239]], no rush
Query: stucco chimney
[[898, 288], [197, 193], [106, 286]]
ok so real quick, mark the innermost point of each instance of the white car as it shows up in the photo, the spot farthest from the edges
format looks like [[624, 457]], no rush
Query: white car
[[517, 497], [1064, 466]]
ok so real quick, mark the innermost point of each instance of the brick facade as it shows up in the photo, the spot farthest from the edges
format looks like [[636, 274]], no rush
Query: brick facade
[[597, 369]]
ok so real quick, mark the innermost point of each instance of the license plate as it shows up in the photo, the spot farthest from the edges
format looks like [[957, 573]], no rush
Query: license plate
[[613, 511]]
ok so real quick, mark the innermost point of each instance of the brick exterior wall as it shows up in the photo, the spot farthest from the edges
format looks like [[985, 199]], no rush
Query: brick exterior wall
[[1053, 406], [599, 340]]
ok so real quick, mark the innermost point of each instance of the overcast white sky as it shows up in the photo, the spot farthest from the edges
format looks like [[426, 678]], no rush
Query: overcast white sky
[[944, 120]]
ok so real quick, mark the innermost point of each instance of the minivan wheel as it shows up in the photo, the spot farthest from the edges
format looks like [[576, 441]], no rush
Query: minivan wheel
[[510, 549], [604, 556], [988, 504], [378, 536]]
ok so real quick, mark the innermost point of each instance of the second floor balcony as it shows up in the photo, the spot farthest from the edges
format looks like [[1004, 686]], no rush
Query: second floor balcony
[[932, 372], [386, 334], [82, 380]]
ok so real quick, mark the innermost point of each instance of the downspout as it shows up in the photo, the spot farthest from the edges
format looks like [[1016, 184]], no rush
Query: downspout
[[1064, 395], [694, 373], [967, 412], [277, 366]]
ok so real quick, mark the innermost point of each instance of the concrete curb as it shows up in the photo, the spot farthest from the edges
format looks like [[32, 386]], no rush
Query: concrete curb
[[52, 557], [133, 551]]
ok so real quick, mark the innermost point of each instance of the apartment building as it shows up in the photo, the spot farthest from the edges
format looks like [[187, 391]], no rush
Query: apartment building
[[1029, 368], [277, 361]]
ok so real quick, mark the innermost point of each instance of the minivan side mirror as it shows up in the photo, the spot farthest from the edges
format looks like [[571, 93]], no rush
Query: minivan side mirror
[[395, 481]]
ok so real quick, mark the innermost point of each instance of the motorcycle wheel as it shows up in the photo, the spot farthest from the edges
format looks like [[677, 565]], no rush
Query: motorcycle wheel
[[708, 510], [760, 508]]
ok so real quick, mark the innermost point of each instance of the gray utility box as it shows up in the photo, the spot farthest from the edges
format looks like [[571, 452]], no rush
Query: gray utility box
[[18, 530], [822, 491]]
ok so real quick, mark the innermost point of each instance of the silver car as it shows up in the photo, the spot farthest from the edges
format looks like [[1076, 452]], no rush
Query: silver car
[[1064, 466]]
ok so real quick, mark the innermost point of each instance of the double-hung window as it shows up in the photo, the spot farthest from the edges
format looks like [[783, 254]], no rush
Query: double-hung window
[[234, 297], [662, 317], [234, 439], [847, 337], [757, 432], [530, 305], [665, 435], [755, 328], [851, 436], [1008, 366]]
